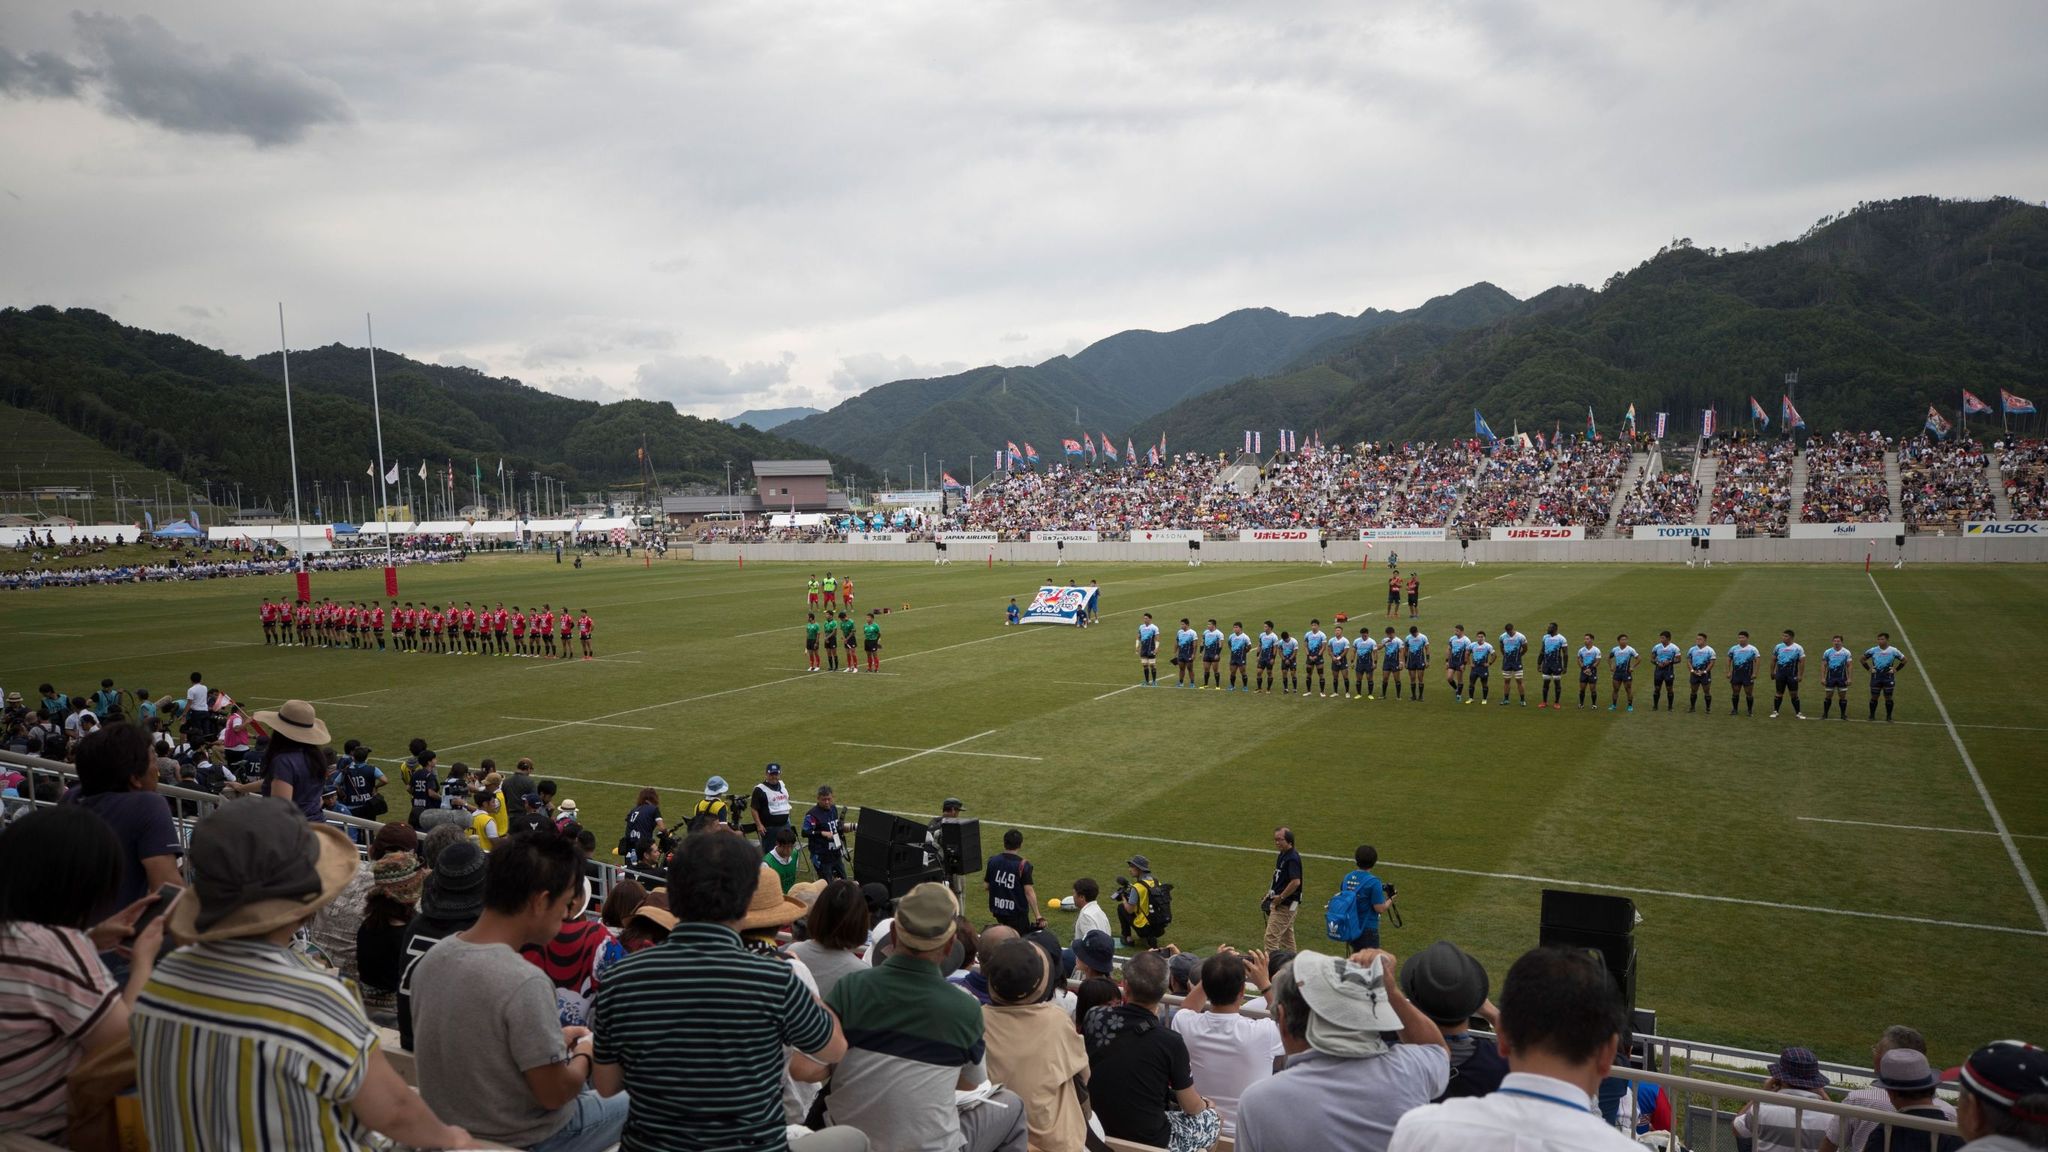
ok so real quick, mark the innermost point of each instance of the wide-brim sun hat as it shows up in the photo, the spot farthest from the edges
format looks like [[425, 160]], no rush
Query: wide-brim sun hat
[[297, 720], [259, 865], [770, 907]]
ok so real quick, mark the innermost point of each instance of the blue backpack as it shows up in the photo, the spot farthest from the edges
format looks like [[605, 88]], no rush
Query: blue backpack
[[1342, 919]]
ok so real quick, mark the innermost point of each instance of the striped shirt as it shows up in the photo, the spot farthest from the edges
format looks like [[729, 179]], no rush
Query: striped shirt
[[241, 1044], [53, 990], [699, 1025]]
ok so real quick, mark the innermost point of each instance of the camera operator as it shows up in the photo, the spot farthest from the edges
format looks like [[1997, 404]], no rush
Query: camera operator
[[1012, 897], [1368, 897], [1135, 904], [1284, 898], [770, 803]]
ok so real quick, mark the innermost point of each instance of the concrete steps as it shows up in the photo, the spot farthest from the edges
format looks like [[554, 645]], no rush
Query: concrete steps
[[2001, 506], [1710, 469], [1798, 486], [1894, 487], [1241, 476], [1638, 467]]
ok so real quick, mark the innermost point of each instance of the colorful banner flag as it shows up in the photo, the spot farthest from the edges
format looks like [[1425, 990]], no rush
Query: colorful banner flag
[[1935, 423], [1592, 430], [1258, 443], [1152, 457], [946, 480], [1629, 418], [1088, 443], [1108, 447], [1757, 414], [1480, 429], [1971, 405], [1247, 442], [1030, 453], [1130, 453], [2015, 405], [1788, 416], [1662, 419], [1707, 424], [1071, 447], [1541, 444]]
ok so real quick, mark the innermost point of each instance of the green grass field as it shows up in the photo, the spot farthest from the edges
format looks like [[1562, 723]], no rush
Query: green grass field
[[1780, 904]]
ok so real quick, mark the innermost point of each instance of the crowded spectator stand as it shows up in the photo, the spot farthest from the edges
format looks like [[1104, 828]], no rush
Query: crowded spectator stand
[[1943, 483], [1845, 480]]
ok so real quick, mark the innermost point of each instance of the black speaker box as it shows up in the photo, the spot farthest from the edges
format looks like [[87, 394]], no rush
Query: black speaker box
[[962, 841], [1586, 912]]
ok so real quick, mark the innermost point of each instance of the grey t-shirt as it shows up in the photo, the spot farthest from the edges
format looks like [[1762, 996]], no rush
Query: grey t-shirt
[[827, 965], [482, 1015]]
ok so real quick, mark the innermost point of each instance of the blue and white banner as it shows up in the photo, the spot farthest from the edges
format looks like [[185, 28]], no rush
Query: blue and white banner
[[2006, 529], [1059, 605]]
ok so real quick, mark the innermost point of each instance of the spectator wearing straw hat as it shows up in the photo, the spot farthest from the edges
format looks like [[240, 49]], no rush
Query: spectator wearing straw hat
[[2004, 1106], [293, 768], [292, 1061], [1787, 1127]]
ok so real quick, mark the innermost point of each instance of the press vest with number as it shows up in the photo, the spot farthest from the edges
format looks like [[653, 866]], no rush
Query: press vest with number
[[362, 783]]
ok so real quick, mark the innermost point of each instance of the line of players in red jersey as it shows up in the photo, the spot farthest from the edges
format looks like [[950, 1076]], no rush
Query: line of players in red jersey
[[467, 630]]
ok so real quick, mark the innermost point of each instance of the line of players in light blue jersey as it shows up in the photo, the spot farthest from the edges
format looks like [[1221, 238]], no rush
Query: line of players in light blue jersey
[[1337, 666]]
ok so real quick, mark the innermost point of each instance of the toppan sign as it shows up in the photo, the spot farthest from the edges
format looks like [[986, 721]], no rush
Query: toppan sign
[[1684, 532], [1280, 535], [1561, 532], [2006, 528]]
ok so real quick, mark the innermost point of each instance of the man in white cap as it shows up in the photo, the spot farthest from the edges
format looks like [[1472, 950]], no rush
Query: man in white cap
[[290, 1059], [1345, 1085], [1560, 1024]]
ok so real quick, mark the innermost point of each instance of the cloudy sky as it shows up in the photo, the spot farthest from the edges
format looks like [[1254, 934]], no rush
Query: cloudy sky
[[731, 205]]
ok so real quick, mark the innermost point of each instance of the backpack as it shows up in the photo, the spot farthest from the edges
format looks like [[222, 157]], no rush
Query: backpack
[[1342, 919], [708, 812], [1158, 905]]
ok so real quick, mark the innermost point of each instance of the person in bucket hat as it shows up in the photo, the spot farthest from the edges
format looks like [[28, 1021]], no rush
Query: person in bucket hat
[[1796, 1072], [292, 1059], [1450, 986]]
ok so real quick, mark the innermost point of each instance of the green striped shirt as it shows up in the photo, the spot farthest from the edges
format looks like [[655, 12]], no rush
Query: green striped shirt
[[698, 1026], [241, 1044]]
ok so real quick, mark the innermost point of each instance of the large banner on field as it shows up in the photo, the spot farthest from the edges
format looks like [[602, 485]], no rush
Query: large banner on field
[[1684, 532], [2006, 529], [1533, 532], [1383, 534], [1163, 535], [1883, 531], [1280, 535], [1056, 604], [1066, 536]]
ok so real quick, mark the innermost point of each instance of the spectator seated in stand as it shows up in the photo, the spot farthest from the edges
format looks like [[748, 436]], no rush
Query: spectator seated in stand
[[1228, 1051], [1785, 1127], [1449, 986], [2023, 466], [1845, 481], [1942, 483], [1140, 1079], [291, 1060], [1753, 488], [1667, 498], [1033, 1049], [1344, 1085], [2004, 1103]]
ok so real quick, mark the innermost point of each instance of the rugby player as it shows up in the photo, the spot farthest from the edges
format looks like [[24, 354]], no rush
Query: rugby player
[[1550, 662], [1663, 672], [1835, 660], [1148, 652], [1884, 663], [1621, 667], [1742, 660], [1513, 645], [1788, 664]]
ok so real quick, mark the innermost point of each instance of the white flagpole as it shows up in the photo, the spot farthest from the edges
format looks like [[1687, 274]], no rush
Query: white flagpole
[[291, 434], [377, 416]]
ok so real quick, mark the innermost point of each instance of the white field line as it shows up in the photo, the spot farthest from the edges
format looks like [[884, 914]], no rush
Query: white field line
[[1121, 691], [928, 752], [949, 752], [1553, 881], [554, 661], [2012, 849], [585, 723], [1917, 827], [621, 712]]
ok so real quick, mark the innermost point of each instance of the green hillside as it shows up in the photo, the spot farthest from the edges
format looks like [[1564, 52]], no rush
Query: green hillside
[[1113, 384], [39, 453], [1881, 311], [206, 417]]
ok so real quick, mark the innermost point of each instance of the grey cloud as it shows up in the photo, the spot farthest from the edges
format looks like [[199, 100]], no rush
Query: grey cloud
[[41, 74], [584, 386], [864, 370], [146, 73], [690, 381], [459, 360]]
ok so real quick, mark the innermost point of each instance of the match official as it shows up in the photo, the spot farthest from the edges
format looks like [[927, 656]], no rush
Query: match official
[[1284, 898]]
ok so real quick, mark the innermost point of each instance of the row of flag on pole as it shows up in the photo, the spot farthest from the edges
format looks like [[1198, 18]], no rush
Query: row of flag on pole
[[1086, 448], [391, 477], [1972, 405]]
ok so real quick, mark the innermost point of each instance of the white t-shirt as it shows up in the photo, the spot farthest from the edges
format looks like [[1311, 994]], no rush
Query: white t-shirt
[[195, 698], [1227, 1052], [1091, 919]]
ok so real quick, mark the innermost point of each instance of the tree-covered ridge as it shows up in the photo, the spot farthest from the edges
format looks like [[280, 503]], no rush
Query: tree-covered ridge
[[1881, 311], [206, 416]]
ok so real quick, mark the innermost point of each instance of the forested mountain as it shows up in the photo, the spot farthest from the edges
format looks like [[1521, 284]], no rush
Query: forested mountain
[[1112, 384], [769, 419], [204, 415], [1881, 311]]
